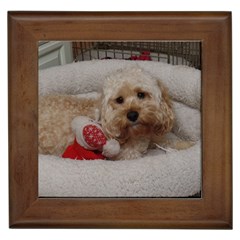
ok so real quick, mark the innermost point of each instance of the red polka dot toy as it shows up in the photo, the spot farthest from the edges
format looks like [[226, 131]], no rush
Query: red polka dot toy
[[90, 142]]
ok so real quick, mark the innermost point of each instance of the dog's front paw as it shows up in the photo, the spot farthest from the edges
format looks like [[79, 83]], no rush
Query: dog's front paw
[[128, 154]]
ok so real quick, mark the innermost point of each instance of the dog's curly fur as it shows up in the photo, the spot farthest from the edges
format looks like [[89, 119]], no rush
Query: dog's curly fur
[[134, 108]]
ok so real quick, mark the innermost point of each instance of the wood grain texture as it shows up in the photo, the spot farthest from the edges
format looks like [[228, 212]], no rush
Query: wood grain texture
[[213, 210]]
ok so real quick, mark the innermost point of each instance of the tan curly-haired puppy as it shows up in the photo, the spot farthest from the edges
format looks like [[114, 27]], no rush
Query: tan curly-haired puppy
[[134, 109]]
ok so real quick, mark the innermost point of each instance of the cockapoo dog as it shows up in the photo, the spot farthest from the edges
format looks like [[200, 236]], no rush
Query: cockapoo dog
[[134, 108]]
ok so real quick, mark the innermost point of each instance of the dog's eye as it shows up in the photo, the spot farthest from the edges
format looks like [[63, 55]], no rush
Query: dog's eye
[[119, 100], [141, 95]]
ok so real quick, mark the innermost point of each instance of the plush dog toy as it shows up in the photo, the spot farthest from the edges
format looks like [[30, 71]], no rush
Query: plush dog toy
[[90, 142]]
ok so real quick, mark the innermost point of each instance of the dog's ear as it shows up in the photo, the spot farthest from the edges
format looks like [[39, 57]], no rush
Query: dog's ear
[[165, 95], [106, 117], [112, 125], [165, 113], [98, 110]]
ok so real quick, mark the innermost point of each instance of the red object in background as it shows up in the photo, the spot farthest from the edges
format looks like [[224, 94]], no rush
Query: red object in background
[[133, 58], [144, 56]]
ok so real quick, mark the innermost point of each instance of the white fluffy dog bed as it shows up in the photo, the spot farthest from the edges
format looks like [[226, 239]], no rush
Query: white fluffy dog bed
[[158, 173]]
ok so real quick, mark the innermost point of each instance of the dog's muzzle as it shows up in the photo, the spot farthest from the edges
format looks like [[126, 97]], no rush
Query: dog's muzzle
[[132, 116]]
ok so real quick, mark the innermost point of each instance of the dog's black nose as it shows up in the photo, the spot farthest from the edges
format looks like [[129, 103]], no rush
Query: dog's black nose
[[132, 116]]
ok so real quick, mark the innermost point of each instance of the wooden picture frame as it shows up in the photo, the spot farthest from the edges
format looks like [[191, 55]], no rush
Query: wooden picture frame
[[212, 210]]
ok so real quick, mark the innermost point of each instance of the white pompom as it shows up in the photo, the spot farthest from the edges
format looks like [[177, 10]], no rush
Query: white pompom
[[78, 122], [111, 148]]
